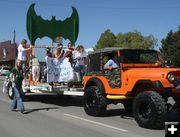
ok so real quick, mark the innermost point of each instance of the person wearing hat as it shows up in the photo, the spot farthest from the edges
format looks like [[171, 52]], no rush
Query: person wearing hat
[[22, 55]]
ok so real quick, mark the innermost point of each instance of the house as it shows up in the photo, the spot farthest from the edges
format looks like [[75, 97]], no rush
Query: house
[[8, 53]]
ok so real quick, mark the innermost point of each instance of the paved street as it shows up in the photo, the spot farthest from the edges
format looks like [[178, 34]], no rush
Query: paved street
[[58, 116]]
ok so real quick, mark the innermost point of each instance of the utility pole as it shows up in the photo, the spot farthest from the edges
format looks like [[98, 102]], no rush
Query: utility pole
[[14, 36]]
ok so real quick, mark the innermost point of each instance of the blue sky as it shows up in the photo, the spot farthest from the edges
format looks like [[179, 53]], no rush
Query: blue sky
[[156, 17]]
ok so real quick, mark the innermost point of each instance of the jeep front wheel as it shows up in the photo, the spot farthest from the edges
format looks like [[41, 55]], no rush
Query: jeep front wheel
[[93, 102], [149, 110]]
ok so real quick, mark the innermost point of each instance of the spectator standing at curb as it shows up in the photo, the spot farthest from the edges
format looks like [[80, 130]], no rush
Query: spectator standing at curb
[[17, 76]]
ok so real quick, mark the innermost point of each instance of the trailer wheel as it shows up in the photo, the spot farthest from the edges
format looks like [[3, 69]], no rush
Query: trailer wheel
[[150, 110], [10, 91], [93, 102]]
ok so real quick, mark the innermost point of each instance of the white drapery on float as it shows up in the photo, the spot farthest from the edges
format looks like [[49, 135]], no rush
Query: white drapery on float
[[60, 70]]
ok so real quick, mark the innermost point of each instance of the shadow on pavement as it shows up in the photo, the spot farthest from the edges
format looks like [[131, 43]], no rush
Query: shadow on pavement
[[59, 100], [172, 116], [66, 101], [119, 112], [39, 109]]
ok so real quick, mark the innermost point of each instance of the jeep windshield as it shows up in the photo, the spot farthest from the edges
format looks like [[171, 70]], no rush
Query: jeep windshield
[[138, 56]]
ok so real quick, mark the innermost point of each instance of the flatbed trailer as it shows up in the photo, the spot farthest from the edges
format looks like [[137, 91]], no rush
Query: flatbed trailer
[[44, 88], [60, 89]]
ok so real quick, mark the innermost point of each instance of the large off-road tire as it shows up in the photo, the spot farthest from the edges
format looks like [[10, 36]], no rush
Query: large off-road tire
[[94, 102], [150, 110], [10, 91], [177, 103]]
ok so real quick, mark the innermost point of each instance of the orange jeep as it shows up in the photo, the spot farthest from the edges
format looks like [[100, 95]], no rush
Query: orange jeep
[[140, 83]]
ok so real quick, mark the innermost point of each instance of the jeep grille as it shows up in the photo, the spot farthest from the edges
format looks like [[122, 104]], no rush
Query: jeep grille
[[177, 75]]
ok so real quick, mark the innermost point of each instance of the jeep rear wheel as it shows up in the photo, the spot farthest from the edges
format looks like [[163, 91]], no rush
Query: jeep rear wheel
[[150, 110], [93, 102]]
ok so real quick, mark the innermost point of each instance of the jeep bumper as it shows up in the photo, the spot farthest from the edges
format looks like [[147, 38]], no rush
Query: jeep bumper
[[176, 89]]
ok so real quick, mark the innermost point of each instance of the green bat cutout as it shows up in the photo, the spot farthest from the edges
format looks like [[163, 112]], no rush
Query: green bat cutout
[[37, 27]]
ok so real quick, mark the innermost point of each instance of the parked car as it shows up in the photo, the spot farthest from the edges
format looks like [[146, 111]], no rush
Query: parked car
[[4, 70]]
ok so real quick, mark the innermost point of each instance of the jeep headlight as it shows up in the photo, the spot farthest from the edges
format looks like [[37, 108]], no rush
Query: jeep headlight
[[171, 77]]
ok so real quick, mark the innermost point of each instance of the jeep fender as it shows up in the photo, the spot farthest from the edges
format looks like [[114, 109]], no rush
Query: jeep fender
[[142, 85], [94, 82]]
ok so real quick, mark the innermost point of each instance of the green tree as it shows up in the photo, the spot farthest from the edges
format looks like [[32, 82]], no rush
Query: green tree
[[171, 47], [129, 40], [135, 40], [107, 39]]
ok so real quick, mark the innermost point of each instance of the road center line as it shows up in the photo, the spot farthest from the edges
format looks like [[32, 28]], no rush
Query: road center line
[[97, 123]]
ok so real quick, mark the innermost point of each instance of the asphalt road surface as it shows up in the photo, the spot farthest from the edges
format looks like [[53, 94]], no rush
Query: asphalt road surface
[[63, 116]]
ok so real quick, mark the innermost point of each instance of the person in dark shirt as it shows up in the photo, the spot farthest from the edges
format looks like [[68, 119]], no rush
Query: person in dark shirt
[[16, 77]]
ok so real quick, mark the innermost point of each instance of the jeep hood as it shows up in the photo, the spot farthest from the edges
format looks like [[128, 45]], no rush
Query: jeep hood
[[149, 73]]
